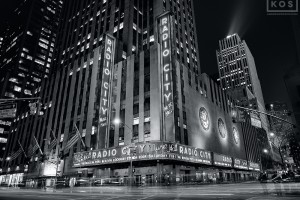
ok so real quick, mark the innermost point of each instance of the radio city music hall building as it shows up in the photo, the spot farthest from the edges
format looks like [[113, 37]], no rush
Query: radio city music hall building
[[177, 120]]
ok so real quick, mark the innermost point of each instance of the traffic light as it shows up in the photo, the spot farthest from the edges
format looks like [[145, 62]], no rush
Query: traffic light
[[39, 108], [133, 170], [241, 116], [253, 103], [33, 108]]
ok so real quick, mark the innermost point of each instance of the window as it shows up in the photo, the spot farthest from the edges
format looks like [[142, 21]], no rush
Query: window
[[147, 129], [135, 132], [136, 109], [147, 104]]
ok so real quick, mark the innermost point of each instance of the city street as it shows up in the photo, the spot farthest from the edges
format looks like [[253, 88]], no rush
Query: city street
[[251, 191]]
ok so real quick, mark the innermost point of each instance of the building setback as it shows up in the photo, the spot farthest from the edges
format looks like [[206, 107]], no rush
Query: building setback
[[136, 61]]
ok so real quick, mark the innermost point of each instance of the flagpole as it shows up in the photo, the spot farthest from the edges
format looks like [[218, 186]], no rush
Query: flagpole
[[38, 145], [80, 136], [22, 148]]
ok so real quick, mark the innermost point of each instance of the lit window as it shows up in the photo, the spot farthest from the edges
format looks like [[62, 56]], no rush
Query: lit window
[[44, 40], [17, 88], [151, 38], [43, 45], [39, 61], [29, 57], [27, 92], [29, 33]]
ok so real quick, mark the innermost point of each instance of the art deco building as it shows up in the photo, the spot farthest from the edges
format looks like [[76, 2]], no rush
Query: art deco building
[[136, 61]]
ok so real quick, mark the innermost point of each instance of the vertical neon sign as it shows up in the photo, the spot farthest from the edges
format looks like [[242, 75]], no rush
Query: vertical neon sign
[[106, 78], [165, 42]]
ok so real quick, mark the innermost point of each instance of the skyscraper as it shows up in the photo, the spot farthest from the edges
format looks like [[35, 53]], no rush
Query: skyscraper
[[128, 77], [26, 53], [237, 70]]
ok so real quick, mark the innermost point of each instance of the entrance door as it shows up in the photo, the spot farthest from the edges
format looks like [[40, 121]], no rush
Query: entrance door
[[138, 179], [149, 179]]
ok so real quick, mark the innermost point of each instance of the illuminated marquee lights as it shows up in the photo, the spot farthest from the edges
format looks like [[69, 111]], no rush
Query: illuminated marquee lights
[[222, 128], [106, 76], [204, 119], [165, 42], [235, 134]]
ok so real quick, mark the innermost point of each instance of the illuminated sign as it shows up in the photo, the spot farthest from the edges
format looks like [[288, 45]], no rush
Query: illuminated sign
[[235, 134], [165, 42], [222, 128], [144, 151], [240, 164], [254, 166], [222, 160], [106, 77], [204, 119]]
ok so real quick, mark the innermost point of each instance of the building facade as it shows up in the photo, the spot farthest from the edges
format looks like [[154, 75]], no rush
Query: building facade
[[136, 61], [237, 70], [27, 51]]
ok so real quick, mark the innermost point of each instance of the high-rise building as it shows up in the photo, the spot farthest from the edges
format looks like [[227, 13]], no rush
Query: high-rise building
[[28, 48], [26, 53], [237, 70], [134, 62]]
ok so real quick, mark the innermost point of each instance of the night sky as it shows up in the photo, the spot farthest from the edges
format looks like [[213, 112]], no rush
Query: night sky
[[270, 38]]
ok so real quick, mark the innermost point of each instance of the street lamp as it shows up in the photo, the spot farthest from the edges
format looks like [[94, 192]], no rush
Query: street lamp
[[265, 151], [272, 135], [117, 121]]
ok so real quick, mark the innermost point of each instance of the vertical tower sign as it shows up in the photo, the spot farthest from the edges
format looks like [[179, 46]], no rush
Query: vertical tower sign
[[164, 32], [108, 61]]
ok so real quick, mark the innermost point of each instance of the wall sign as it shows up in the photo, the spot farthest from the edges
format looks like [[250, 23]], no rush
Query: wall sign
[[109, 49], [240, 164], [144, 151], [164, 29], [254, 166], [222, 160]]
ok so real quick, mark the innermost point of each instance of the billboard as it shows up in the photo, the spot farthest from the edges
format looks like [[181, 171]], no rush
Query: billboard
[[144, 151]]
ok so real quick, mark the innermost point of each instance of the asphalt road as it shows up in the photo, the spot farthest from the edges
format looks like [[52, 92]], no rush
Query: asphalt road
[[250, 191]]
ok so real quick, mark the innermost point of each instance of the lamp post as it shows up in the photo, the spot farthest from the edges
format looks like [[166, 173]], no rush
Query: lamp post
[[7, 159], [117, 121]]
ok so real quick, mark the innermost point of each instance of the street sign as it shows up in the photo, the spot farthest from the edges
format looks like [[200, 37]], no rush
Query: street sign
[[255, 120], [8, 111]]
